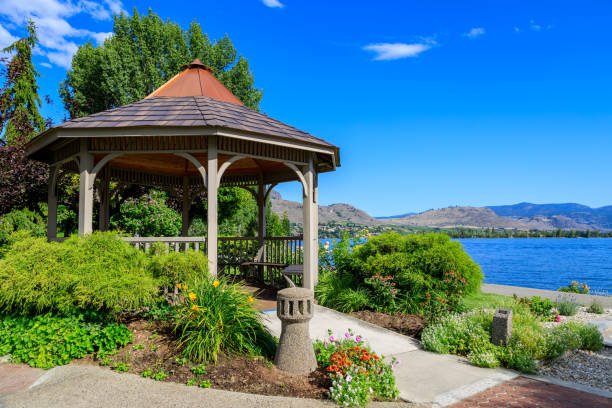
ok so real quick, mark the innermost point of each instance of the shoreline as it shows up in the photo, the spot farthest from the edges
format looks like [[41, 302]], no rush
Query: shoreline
[[506, 290]]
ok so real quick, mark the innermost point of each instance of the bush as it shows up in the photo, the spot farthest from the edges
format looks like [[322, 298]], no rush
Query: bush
[[98, 272], [45, 341], [171, 268], [567, 307], [217, 316], [357, 373], [590, 337], [541, 306], [596, 307], [148, 216], [341, 291], [575, 287]]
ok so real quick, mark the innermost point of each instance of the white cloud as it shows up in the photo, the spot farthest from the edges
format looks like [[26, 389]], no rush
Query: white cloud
[[475, 32], [46, 65], [57, 37], [273, 3], [393, 51], [6, 38], [534, 26]]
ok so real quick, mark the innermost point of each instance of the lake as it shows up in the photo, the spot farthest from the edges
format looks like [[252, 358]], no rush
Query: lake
[[543, 263]]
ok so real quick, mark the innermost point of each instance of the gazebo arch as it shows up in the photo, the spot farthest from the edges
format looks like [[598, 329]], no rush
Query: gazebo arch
[[192, 132]]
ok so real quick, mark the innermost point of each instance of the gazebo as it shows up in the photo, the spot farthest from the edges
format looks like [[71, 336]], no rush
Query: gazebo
[[193, 134]]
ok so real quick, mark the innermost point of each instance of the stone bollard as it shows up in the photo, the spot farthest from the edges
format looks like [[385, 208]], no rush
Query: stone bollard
[[295, 354], [502, 327]]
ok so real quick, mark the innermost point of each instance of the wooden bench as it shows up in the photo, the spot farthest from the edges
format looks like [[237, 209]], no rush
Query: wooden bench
[[296, 270]]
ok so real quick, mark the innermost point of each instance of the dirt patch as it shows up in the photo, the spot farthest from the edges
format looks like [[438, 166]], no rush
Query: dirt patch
[[407, 324], [154, 350]]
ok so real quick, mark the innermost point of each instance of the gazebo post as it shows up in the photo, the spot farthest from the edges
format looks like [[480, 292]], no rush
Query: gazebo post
[[212, 189], [261, 213], [86, 164], [309, 209], [104, 217], [52, 204], [186, 207]]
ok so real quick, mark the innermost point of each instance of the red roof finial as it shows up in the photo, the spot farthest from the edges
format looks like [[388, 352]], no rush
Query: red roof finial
[[196, 63]]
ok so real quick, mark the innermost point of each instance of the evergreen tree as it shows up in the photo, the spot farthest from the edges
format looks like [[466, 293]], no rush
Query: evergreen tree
[[20, 119]]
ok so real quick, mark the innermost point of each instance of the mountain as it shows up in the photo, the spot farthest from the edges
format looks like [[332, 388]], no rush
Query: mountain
[[522, 216], [327, 213], [594, 218], [395, 216]]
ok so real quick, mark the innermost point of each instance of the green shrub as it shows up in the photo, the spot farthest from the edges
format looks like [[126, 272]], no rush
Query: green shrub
[[517, 357], [596, 307], [590, 337], [217, 316], [177, 267], [98, 272], [575, 287], [458, 334], [341, 291], [148, 216], [19, 224], [567, 307], [541, 306], [46, 340]]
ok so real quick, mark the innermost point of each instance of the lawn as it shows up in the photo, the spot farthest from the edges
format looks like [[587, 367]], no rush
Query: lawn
[[480, 300]]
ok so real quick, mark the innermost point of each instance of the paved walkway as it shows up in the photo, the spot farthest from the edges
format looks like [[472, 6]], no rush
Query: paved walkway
[[422, 377], [527, 393], [505, 290]]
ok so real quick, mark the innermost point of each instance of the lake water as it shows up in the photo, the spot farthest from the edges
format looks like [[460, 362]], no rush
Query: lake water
[[543, 263]]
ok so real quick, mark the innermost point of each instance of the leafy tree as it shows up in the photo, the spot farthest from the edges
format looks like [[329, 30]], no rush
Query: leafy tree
[[20, 119], [142, 54], [23, 182], [148, 216]]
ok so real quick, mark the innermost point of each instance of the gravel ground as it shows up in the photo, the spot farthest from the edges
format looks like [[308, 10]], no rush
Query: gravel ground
[[583, 367], [583, 316]]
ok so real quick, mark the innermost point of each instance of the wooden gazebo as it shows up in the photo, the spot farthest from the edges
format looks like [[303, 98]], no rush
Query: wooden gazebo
[[194, 134]]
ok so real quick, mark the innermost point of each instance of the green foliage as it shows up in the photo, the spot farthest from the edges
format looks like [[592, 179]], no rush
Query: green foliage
[[338, 290], [175, 267], [596, 307], [98, 272], [204, 384], [46, 340], [357, 372], [121, 366], [142, 54], [148, 216], [539, 306], [218, 316], [22, 220], [191, 382], [480, 300], [567, 306], [575, 287], [159, 376], [20, 119], [160, 310], [199, 369]]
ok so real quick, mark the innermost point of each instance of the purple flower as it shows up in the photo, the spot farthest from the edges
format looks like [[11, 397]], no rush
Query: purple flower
[[318, 351], [332, 338], [347, 335], [358, 339]]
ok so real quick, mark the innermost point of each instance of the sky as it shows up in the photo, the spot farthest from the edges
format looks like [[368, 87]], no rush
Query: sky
[[432, 104]]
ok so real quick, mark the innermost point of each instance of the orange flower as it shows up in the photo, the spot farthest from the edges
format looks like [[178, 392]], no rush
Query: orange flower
[[195, 308], [192, 296], [178, 285], [250, 299]]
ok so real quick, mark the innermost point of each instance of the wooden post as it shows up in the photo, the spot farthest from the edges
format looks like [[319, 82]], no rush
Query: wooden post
[[315, 225], [212, 188], [307, 223], [186, 207], [104, 216], [52, 204], [86, 164]]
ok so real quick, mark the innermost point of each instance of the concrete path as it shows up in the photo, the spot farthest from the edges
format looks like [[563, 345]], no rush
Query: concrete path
[[422, 377], [505, 290], [75, 386]]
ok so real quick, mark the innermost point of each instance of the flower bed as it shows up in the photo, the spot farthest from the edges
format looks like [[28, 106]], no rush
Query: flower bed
[[358, 374]]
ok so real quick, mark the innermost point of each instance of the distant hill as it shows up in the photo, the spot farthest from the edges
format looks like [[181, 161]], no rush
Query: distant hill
[[595, 218], [523, 216]]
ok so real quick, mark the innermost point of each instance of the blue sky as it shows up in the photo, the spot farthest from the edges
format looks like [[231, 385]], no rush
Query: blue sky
[[432, 103]]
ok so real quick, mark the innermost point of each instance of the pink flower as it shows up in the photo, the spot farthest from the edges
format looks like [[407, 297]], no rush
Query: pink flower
[[358, 339], [347, 335], [332, 338], [557, 318]]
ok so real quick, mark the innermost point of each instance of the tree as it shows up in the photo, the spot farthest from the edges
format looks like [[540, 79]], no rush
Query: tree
[[20, 119], [142, 54], [23, 182]]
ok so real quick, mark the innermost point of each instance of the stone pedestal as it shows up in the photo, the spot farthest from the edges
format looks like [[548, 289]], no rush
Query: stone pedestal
[[295, 308], [502, 327]]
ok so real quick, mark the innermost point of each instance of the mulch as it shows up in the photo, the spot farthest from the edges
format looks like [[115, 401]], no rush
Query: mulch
[[406, 324], [154, 349]]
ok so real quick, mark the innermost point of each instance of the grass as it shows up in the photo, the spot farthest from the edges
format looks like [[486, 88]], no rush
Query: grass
[[480, 300]]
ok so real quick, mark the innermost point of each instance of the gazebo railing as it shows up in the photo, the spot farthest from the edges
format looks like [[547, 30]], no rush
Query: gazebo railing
[[235, 252]]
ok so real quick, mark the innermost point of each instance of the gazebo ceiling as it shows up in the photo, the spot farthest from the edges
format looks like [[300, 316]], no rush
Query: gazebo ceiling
[[180, 115]]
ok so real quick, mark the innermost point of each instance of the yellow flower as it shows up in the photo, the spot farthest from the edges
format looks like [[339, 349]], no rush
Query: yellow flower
[[195, 308], [192, 296], [250, 299], [216, 283]]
